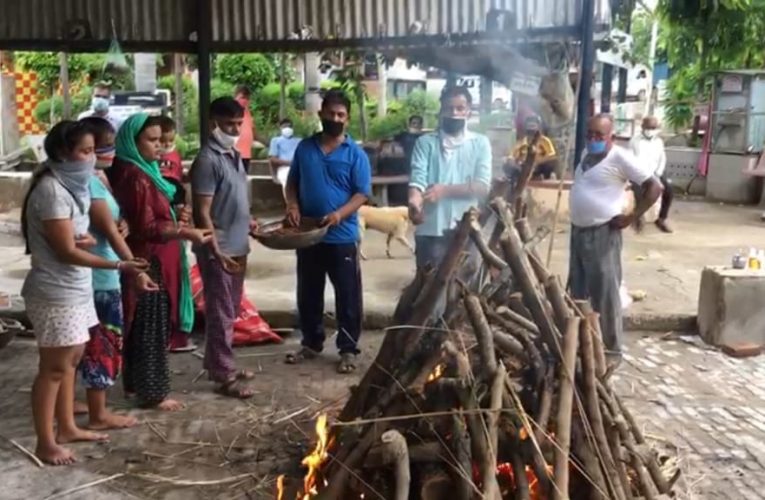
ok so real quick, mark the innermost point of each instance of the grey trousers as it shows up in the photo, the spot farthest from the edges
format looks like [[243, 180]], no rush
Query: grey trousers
[[595, 273]]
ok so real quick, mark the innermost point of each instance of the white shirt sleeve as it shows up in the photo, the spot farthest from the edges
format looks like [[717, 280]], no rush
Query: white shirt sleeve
[[630, 167], [635, 145], [662, 160]]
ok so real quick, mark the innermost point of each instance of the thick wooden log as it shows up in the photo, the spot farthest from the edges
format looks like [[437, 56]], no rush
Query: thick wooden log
[[492, 422], [593, 321], [491, 258], [482, 332], [522, 491], [584, 450], [511, 245], [396, 453], [544, 410], [616, 450], [557, 299], [644, 480], [507, 344], [592, 409], [527, 170], [482, 453], [515, 303], [527, 237], [462, 460], [418, 453], [565, 406], [518, 318], [391, 350]]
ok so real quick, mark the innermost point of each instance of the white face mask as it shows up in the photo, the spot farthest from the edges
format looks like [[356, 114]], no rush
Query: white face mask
[[287, 132], [225, 140], [167, 150], [651, 133]]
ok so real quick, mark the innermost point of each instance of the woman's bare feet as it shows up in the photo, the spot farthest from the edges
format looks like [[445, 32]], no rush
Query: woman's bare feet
[[77, 435], [80, 408], [55, 455], [170, 405], [109, 421]]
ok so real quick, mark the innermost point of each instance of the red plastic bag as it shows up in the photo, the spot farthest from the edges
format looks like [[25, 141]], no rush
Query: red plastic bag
[[249, 327]]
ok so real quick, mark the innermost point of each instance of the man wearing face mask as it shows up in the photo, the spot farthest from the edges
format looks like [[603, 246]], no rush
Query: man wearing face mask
[[282, 151], [596, 202], [219, 188], [330, 178], [648, 147], [99, 106], [451, 172]]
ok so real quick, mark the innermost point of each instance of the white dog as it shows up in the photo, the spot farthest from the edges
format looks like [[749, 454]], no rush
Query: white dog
[[393, 221]]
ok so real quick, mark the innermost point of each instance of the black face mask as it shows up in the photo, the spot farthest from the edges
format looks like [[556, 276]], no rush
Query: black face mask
[[452, 126], [332, 128]]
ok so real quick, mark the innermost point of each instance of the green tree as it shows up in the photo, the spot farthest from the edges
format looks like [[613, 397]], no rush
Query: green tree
[[703, 37], [253, 70]]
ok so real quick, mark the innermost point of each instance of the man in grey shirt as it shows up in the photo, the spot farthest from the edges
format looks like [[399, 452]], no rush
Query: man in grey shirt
[[219, 187]]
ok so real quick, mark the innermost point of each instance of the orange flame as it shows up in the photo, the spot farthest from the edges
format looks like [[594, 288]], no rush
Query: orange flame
[[280, 487], [535, 492], [437, 372], [316, 458]]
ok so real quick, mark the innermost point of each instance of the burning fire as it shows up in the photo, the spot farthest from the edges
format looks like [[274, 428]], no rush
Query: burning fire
[[535, 493], [316, 458], [280, 487], [437, 372]]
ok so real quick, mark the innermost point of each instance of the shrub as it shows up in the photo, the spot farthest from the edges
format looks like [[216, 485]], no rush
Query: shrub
[[254, 70]]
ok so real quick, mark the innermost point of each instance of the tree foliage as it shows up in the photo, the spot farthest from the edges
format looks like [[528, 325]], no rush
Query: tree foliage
[[253, 70], [701, 37]]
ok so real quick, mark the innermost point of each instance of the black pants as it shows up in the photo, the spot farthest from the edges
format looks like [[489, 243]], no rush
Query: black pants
[[666, 196], [341, 264], [246, 163]]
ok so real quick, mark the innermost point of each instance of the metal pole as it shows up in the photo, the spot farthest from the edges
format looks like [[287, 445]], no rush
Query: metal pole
[[606, 88], [585, 75], [204, 32], [283, 86]]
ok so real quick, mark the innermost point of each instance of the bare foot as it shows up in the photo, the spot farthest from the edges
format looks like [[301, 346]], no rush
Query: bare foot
[[80, 408], [76, 435], [112, 421], [170, 405], [55, 455]]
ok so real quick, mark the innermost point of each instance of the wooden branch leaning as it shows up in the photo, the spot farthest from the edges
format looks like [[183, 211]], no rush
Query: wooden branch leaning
[[565, 406]]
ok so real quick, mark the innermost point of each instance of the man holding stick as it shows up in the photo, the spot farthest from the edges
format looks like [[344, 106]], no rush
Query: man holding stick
[[596, 201]]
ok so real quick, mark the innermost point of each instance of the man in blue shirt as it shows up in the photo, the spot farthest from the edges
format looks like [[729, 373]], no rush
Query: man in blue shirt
[[451, 172], [330, 178], [282, 151]]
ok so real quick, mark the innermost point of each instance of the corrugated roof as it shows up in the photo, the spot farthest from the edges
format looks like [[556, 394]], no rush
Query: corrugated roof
[[239, 22]]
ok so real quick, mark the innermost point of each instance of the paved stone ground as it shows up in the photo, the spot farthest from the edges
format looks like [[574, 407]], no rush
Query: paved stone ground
[[710, 407]]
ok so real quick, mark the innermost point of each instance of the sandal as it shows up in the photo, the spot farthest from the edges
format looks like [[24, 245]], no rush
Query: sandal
[[305, 353], [235, 389], [244, 375], [347, 363]]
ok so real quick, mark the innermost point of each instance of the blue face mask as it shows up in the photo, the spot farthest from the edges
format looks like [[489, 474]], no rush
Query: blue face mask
[[596, 147], [100, 104]]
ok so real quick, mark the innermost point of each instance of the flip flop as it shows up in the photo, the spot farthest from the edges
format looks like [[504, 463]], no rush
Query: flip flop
[[347, 363], [305, 353], [235, 389], [187, 348], [244, 375]]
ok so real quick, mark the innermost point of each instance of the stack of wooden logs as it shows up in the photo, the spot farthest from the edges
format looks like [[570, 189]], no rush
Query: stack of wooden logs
[[504, 393]]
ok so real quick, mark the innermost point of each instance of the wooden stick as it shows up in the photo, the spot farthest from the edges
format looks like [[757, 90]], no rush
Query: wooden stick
[[491, 258], [27, 453], [557, 299], [512, 247], [522, 491], [514, 316], [186, 482], [482, 454], [482, 332], [524, 231], [592, 409], [515, 303], [565, 406], [616, 450], [644, 481], [463, 466], [544, 410], [584, 451], [593, 321], [84, 486]]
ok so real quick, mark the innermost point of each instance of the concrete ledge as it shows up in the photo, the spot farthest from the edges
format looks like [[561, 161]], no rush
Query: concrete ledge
[[646, 322]]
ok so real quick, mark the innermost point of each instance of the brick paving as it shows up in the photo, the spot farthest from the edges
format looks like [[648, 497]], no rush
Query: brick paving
[[708, 405]]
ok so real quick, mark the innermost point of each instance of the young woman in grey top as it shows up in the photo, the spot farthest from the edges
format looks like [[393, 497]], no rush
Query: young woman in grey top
[[58, 290]]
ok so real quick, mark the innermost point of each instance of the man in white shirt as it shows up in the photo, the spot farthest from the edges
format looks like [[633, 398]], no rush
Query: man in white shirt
[[596, 202], [99, 106], [648, 147]]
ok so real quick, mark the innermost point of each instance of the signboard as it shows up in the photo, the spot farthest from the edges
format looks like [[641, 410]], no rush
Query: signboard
[[525, 84], [732, 84]]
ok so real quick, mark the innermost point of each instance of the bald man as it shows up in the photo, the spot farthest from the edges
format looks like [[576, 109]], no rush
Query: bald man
[[596, 203], [648, 147]]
